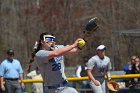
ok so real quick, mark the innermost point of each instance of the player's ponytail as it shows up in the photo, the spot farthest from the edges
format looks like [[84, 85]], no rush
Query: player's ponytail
[[36, 48]]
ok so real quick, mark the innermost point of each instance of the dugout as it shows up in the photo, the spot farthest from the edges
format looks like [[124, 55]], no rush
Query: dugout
[[125, 43]]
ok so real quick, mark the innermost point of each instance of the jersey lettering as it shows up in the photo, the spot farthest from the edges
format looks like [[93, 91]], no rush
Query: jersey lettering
[[56, 66], [58, 58]]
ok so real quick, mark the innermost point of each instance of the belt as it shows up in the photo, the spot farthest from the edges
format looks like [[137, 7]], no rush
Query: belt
[[65, 82], [12, 79]]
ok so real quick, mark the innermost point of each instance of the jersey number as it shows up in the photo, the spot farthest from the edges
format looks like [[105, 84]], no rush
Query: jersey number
[[56, 67]]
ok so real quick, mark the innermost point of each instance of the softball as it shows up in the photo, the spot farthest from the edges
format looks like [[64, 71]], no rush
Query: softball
[[81, 43]]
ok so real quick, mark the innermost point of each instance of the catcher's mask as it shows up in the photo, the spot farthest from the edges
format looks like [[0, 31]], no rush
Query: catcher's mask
[[113, 85]]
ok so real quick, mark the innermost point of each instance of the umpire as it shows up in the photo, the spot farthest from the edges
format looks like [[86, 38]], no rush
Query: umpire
[[10, 72]]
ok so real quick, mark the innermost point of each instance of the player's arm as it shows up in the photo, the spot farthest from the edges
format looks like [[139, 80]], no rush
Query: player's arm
[[64, 50], [90, 66], [108, 75], [72, 51], [80, 45], [108, 71], [89, 71]]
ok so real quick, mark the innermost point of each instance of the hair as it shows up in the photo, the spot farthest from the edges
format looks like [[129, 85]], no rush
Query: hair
[[133, 57], [39, 45]]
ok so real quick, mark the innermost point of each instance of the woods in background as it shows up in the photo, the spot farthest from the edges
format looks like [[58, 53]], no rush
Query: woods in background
[[23, 20]]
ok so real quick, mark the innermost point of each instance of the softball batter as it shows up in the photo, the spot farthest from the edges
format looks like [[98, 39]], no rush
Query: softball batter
[[98, 66], [50, 61]]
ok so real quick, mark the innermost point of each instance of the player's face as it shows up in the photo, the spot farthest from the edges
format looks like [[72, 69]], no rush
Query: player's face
[[101, 53], [48, 42]]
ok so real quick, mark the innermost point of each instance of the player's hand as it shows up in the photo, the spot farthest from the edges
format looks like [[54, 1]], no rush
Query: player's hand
[[97, 83], [2, 87], [81, 43], [76, 43]]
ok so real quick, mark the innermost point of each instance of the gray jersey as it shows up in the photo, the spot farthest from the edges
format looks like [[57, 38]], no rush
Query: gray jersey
[[52, 70], [99, 67]]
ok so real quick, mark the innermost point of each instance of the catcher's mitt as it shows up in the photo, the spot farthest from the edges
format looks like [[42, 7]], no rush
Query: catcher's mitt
[[113, 85]]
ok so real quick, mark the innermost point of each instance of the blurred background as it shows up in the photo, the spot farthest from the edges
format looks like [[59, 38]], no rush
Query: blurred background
[[22, 21]]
